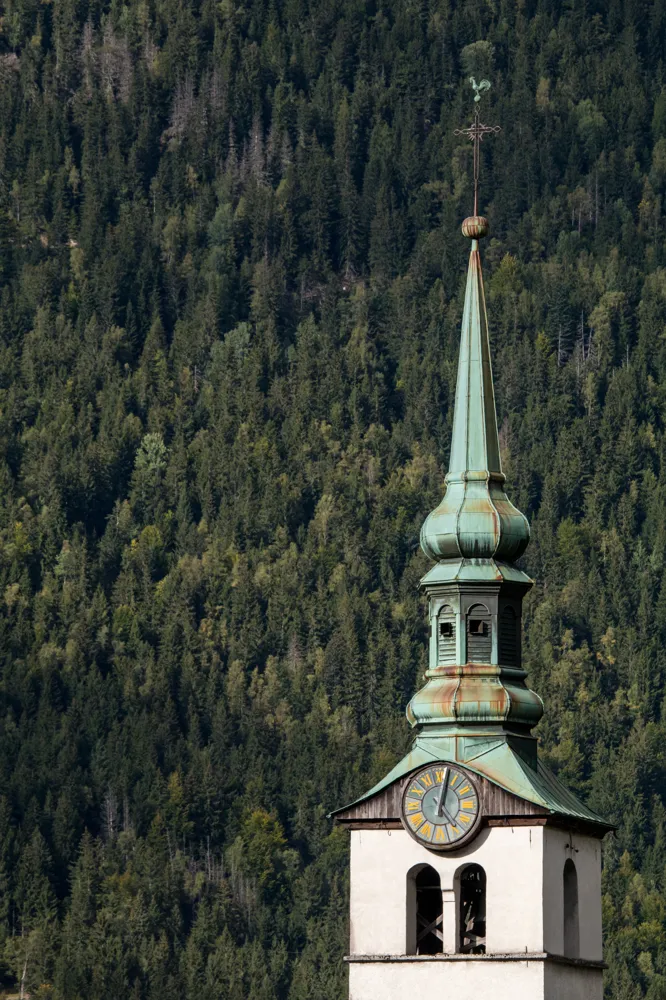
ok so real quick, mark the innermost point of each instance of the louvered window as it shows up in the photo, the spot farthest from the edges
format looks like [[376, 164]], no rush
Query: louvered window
[[509, 638], [479, 635], [446, 636]]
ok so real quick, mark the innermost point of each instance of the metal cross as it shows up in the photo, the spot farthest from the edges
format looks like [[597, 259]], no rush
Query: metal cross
[[476, 132]]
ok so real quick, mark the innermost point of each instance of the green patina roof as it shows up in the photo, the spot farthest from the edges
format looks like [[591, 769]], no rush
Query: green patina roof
[[493, 758], [475, 517], [473, 570], [474, 442]]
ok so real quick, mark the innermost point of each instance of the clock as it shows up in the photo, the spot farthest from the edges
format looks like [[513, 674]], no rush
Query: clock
[[440, 806]]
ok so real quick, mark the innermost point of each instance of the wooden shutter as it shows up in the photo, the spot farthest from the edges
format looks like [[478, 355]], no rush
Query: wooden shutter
[[479, 635], [446, 636], [509, 638]]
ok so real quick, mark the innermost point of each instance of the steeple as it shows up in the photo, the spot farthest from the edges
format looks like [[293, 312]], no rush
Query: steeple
[[475, 681], [465, 858], [475, 710]]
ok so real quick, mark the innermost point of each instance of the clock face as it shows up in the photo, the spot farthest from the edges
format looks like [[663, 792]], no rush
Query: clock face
[[440, 806]]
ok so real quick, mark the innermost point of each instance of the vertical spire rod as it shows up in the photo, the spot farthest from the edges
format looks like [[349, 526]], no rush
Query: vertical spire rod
[[476, 132]]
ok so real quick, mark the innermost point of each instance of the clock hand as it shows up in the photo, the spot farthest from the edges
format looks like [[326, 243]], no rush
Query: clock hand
[[442, 793], [447, 816]]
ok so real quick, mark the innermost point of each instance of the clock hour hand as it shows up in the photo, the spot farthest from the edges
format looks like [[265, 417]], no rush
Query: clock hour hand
[[447, 816]]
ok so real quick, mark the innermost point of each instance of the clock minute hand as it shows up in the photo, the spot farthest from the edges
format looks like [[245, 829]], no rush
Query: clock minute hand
[[442, 795]]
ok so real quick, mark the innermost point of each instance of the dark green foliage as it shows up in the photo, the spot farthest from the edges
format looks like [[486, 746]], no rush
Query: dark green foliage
[[231, 290]]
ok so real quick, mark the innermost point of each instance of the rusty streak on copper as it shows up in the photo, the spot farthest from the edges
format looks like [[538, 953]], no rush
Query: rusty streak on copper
[[476, 132]]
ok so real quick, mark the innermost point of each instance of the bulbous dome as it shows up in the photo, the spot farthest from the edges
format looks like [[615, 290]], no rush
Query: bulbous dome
[[475, 693], [475, 520]]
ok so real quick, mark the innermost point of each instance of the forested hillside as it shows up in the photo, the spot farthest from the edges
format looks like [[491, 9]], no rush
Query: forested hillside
[[231, 283]]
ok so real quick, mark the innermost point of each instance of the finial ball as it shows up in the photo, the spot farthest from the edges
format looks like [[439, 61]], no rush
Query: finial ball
[[475, 227]]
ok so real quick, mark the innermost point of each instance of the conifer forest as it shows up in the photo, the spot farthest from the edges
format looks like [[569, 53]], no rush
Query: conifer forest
[[231, 283]]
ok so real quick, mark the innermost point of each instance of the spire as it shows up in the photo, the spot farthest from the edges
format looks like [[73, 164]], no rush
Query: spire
[[475, 682], [475, 519], [475, 444]]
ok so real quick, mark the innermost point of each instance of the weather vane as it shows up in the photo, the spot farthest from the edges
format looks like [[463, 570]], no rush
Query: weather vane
[[476, 132]]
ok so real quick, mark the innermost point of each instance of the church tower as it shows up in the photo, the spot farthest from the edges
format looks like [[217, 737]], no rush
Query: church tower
[[474, 871]]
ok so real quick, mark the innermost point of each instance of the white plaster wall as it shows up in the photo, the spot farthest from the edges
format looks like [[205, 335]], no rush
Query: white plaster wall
[[585, 852], [513, 861], [482, 980], [565, 982]]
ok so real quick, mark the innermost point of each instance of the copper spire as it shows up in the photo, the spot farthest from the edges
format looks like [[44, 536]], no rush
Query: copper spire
[[476, 519]]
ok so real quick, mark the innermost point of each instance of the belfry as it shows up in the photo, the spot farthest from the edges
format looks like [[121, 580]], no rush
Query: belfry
[[473, 868]]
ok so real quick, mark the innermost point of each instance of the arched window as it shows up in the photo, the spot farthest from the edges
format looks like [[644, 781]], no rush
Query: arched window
[[571, 930], [446, 636], [479, 635], [509, 638], [472, 910], [424, 912]]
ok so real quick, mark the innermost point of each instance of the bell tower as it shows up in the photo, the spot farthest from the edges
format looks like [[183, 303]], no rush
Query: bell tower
[[473, 869]]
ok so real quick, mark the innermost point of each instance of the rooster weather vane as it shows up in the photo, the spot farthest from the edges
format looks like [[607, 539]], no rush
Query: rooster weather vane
[[476, 132]]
